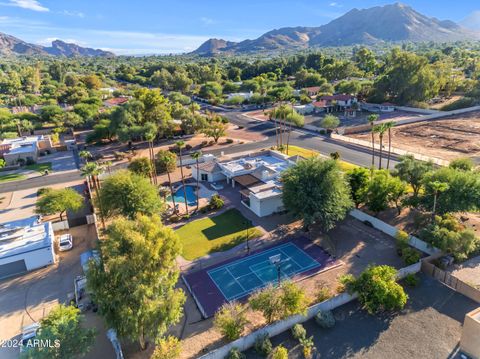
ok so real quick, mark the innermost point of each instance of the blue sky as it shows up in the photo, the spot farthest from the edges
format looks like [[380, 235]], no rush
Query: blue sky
[[162, 26]]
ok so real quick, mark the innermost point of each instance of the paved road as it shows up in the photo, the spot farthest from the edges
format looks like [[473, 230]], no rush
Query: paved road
[[40, 181]]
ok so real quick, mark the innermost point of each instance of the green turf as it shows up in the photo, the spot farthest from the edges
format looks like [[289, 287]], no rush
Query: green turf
[[39, 167], [215, 234], [12, 177]]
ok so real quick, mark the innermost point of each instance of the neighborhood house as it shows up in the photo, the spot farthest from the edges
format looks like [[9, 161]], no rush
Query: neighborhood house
[[256, 176], [24, 149]]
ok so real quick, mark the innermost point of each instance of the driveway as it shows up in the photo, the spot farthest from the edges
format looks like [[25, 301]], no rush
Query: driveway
[[30, 297]]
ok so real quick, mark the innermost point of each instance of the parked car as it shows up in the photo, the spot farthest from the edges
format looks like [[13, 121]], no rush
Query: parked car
[[28, 332], [65, 242]]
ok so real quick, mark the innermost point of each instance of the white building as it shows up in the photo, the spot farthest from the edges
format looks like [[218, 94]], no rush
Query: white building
[[304, 109], [25, 245], [244, 95], [256, 176], [24, 148]]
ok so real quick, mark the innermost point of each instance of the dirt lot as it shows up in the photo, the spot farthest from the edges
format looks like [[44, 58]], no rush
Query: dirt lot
[[429, 327], [353, 243], [448, 139]]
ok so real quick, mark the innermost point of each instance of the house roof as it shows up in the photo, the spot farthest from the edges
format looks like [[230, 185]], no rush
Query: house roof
[[210, 167], [247, 180], [320, 104], [312, 89], [116, 101]]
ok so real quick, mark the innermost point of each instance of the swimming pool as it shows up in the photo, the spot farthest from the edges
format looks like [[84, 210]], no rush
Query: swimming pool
[[179, 196]]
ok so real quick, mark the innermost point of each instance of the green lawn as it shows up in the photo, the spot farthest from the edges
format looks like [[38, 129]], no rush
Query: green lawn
[[300, 151], [39, 167], [215, 234], [12, 177]]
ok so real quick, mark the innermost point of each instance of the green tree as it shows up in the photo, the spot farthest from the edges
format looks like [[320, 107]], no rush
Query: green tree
[[463, 164], [141, 166], [330, 122], [378, 290], [134, 285], [230, 320], [166, 161], [63, 327], [316, 191], [358, 179], [125, 193], [215, 127], [54, 201], [412, 171], [382, 190]]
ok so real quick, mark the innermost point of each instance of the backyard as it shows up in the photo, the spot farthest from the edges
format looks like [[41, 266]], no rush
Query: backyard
[[214, 234]]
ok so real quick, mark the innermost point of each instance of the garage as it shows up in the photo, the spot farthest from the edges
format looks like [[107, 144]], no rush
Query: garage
[[25, 245], [13, 268]]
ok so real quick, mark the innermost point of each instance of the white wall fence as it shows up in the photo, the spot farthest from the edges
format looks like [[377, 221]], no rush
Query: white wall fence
[[60, 226], [392, 231], [279, 327], [397, 151]]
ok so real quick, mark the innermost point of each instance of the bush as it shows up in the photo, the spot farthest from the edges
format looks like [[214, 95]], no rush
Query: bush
[[235, 353], [188, 147], [30, 161], [174, 218], [325, 319], [167, 348], [410, 256], [280, 352], [402, 241], [345, 283], [229, 140], [230, 320], [299, 332], [411, 280], [307, 347], [263, 345], [322, 294], [216, 202]]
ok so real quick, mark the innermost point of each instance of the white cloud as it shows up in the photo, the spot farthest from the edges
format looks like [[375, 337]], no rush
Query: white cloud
[[207, 20], [472, 21], [335, 4], [73, 13], [27, 4]]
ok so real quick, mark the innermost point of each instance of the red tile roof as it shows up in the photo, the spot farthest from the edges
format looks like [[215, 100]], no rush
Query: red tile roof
[[312, 89]]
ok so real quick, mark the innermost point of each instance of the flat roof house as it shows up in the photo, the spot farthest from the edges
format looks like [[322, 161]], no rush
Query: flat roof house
[[25, 245], [257, 176], [24, 148]]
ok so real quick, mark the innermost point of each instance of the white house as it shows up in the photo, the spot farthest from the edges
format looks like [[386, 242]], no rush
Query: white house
[[24, 148], [244, 95], [304, 109], [256, 176], [25, 245]]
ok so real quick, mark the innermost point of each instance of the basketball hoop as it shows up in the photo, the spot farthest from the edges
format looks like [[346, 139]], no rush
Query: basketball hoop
[[274, 260]]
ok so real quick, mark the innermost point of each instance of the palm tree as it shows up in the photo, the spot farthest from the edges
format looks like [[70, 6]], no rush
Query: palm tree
[[180, 145], [85, 155], [150, 134], [92, 170], [273, 114], [380, 129], [168, 160], [196, 156], [371, 120], [292, 102], [389, 126], [437, 188]]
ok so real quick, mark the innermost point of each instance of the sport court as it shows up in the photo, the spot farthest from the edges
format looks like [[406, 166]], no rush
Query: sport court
[[238, 277]]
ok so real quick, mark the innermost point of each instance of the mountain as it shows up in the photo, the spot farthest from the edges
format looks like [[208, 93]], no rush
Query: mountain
[[389, 23], [10, 45]]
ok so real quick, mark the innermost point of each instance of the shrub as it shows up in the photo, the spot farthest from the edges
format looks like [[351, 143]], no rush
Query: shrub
[[378, 290], [325, 319], [188, 147], [322, 294], [174, 218], [235, 353], [167, 348], [229, 140], [216, 202], [307, 347], [411, 280], [230, 320], [345, 282], [263, 345], [30, 161], [280, 352], [410, 256], [402, 238], [299, 332]]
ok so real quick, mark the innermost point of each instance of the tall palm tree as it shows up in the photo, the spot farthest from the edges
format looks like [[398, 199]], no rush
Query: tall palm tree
[[196, 156], [380, 129], [389, 125], [181, 145], [85, 155], [292, 102], [92, 170], [371, 120], [150, 134], [437, 188], [168, 160]]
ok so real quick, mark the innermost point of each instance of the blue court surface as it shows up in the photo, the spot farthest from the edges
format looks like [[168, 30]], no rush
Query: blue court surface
[[238, 279]]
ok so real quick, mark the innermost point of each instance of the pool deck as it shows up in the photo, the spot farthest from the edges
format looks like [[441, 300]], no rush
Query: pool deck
[[208, 296], [204, 196]]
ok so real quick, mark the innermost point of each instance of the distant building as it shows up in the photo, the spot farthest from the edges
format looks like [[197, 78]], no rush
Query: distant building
[[331, 103], [25, 149], [374, 107], [256, 175], [25, 245], [244, 95], [312, 91], [304, 109]]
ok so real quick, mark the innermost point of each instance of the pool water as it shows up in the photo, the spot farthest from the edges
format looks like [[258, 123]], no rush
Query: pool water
[[179, 196]]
